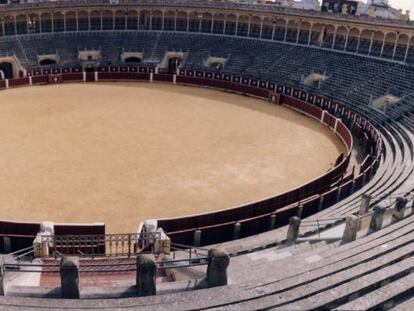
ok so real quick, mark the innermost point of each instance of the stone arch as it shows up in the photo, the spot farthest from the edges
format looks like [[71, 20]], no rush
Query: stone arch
[[132, 59], [267, 29], [120, 20], [353, 39], [182, 21], [304, 31], [206, 22], [316, 34], [33, 23], [95, 20], [340, 38], [9, 25], [107, 20], [402, 43], [132, 20], [194, 21], [364, 41], [218, 26], [47, 62], [243, 25], [410, 52], [280, 29], [292, 30], [83, 21], [58, 22], [7, 69], [255, 25], [230, 26], [377, 41], [389, 43], [169, 20], [156, 20], [71, 22], [21, 24]]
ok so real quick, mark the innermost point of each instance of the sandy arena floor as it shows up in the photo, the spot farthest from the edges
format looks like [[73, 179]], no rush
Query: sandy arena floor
[[122, 152]]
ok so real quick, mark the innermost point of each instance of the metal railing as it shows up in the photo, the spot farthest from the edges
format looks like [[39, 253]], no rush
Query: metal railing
[[103, 245]]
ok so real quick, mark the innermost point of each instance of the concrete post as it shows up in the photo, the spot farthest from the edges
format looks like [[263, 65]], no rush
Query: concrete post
[[398, 211], [236, 232], [146, 274], [69, 277], [272, 222], [352, 225], [7, 245], [293, 230], [217, 267], [377, 219], [197, 238], [300, 211], [364, 207], [320, 205], [2, 277]]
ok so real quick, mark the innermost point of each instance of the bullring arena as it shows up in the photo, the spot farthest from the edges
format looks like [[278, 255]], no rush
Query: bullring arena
[[187, 155]]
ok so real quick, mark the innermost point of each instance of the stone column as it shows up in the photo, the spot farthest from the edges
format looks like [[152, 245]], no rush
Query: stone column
[[352, 226], [69, 277], [293, 230], [146, 274], [364, 207], [236, 231], [377, 219], [197, 238], [217, 267]]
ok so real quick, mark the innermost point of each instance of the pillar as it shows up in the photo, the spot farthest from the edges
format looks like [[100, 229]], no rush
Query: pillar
[[217, 267], [69, 277], [364, 207], [272, 221], [377, 219], [293, 230], [352, 225], [236, 232], [197, 238], [146, 275], [3, 287]]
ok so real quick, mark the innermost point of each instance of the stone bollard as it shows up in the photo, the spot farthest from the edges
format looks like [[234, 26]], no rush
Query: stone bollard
[[69, 277], [364, 207], [293, 230], [300, 211], [377, 219], [7, 245], [320, 204], [217, 267], [146, 275], [272, 221], [236, 231], [352, 225], [399, 209], [197, 238]]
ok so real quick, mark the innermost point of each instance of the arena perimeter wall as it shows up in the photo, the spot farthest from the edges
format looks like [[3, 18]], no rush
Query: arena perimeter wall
[[252, 218]]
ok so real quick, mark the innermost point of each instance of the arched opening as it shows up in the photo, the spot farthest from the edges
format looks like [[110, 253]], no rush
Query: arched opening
[[169, 20], [206, 22], [9, 26], [194, 23], [376, 47], [46, 22], [389, 45], [328, 36], [353, 38], [231, 24], [218, 26], [410, 53], [132, 20], [58, 22], [292, 31], [83, 21], [255, 25], [401, 49], [365, 41], [144, 20], [107, 20], [71, 21], [217, 66], [304, 32], [181, 21], [316, 31], [21, 24], [132, 59], [340, 38], [156, 20], [267, 28], [95, 20], [173, 64], [120, 20], [7, 69], [47, 61], [243, 26], [280, 30]]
